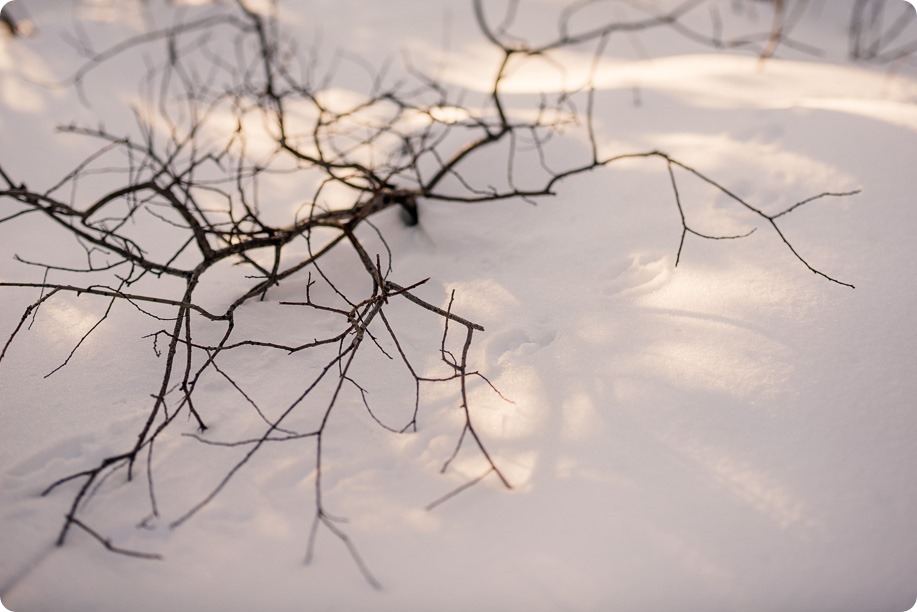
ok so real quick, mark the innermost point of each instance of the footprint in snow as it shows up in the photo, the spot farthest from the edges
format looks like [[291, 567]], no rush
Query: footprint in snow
[[61, 454], [637, 275], [518, 341]]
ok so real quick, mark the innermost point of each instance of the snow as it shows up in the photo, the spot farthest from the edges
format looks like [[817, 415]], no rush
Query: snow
[[735, 433]]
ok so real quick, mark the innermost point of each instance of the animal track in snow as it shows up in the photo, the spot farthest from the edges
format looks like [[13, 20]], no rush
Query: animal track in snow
[[68, 450], [518, 341], [640, 274]]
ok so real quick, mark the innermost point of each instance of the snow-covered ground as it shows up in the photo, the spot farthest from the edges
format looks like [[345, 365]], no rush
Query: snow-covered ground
[[735, 433]]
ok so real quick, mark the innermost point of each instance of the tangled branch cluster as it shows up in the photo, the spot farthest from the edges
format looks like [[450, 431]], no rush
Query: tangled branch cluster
[[216, 133]]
